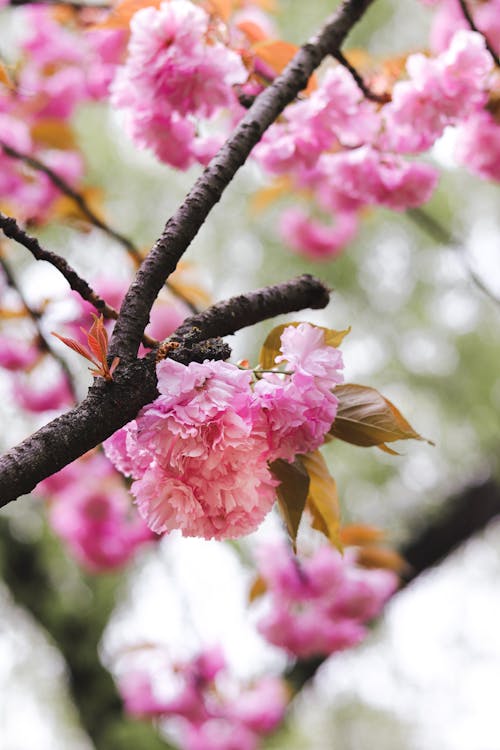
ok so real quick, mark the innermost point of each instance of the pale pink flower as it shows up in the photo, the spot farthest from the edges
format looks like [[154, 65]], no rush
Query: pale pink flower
[[199, 464], [478, 145], [320, 605], [136, 690], [314, 239], [207, 712]]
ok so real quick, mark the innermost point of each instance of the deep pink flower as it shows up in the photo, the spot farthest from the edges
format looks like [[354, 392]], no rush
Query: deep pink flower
[[36, 398], [91, 510], [320, 605], [17, 355]]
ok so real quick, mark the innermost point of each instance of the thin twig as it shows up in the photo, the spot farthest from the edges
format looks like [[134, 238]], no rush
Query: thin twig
[[83, 205], [75, 196], [13, 231], [42, 341], [443, 236], [74, 4], [369, 94], [471, 22]]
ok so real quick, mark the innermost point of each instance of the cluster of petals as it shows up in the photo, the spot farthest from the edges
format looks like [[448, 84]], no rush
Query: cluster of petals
[[300, 408], [439, 91], [59, 70], [199, 454], [449, 18], [319, 605], [91, 510], [199, 465], [347, 153], [176, 74], [63, 69], [204, 712], [478, 145]]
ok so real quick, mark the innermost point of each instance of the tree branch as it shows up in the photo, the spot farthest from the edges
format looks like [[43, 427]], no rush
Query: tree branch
[[184, 225], [368, 93], [468, 17], [43, 343], [460, 518], [443, 236], [12, 230], [110, 405]]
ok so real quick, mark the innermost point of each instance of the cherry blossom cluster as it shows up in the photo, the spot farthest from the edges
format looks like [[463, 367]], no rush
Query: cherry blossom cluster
[[478, 135], [199, 454], [319, 605], [91, 510], [202, 708], [348, 152], [59, 70], [177, 75]]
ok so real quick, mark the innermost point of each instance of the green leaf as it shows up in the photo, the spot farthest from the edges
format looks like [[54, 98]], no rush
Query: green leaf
[[292, 493], [271, 346], [366, 418], [322, 499]]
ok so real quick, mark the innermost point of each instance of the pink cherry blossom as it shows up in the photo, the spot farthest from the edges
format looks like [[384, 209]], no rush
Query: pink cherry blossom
[[174, 72], [440, 92], [320, 605], [99, 524], [478, 145], [365, 176], [91, 510], [205, 705], [314, 239], [336, 112], [449, 18], [299, 408], [198, 463]]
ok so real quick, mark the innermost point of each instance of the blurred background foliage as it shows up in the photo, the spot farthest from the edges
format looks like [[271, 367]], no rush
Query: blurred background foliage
[[423, 332]]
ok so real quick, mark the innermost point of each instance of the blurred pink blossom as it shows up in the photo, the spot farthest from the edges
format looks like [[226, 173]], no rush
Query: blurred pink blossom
[[17, 355], [478, 145], [208, 709], [314, 239], [39, 398], [440, 91], [320, 605]]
